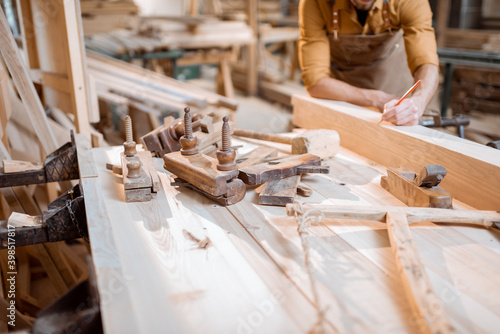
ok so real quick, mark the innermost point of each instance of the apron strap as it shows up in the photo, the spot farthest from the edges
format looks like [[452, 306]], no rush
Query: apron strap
[[336, 20]]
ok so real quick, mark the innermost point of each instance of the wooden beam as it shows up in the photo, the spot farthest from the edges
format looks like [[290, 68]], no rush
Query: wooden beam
[[111, 279], [76, 70], [5, 105], [156, 81], [21, 77], [51, 80], [473, 169], [253, 60]]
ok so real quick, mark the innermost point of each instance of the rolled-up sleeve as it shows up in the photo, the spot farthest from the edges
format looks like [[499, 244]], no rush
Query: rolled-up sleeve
[[314, 49], [420, 41]]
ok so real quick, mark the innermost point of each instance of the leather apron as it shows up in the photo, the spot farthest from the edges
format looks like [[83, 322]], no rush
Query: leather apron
[[371, 61]]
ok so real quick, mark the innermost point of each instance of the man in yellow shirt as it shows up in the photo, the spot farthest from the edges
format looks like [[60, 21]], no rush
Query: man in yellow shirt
[[369, 52]]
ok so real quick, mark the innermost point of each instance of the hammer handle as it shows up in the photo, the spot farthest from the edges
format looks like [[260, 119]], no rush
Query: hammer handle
[[263, 136]]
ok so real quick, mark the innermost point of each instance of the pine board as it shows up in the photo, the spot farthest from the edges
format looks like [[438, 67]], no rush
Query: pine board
[[193, 263]]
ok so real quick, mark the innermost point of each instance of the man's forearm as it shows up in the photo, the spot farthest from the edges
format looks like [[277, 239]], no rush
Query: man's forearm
[[429, 74], [333, 89]]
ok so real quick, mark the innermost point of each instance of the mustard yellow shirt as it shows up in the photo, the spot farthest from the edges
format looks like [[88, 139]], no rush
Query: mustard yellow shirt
[[315, 24]]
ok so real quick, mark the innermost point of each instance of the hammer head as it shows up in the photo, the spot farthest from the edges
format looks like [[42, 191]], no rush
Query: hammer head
[[323, 143]]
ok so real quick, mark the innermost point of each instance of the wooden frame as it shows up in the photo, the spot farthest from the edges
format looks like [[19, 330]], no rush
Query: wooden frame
[[52, 40]]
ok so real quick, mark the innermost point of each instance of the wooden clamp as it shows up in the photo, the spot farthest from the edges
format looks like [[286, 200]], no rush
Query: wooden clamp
[[214, 178], [423, 300], [199, 172], [140, 179], [60, 165], [421, 190], [281, 168], [64, 220], [165, 139], [141, 182]]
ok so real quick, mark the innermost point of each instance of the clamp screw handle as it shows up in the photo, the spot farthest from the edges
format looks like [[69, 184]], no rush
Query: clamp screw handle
[[226, 155], [129, 145], [134, 169], [188, 142]]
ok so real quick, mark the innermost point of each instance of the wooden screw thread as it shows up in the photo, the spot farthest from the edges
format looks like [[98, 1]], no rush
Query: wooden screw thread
[[188, 126], [226, 138], [128, 129]]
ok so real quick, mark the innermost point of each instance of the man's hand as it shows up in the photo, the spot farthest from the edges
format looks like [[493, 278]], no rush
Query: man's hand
[[407, 112], [379, 99]]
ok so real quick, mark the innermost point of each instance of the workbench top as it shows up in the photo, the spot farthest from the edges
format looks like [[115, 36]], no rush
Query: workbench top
[[182, 263]]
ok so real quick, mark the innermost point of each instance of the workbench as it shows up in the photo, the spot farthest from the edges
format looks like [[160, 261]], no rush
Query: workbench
[[181, 263]]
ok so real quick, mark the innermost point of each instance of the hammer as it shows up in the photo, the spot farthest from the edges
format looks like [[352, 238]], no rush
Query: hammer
[[323, 143]]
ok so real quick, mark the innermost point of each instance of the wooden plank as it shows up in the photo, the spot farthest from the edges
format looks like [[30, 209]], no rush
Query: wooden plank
[[137, 92], [174, 238], [431, 317], [279, 192], [60, 52], [360, 179], [12, 166], [112, 281], [253, 58], [84, 153], [61, 263], [351, 262], [467, 163], [20, 75], [51, 80], [150, 79], [50, 268], [5, 105]]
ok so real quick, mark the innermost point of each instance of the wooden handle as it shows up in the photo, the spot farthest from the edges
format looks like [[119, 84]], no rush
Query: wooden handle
[[424, 302], [263, 136], [414, 215]]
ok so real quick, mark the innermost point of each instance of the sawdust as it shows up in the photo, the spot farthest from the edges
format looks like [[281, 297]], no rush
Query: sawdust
[[202, 244]]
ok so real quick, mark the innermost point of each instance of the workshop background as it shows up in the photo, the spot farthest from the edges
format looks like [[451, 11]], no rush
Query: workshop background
[[88, 66]]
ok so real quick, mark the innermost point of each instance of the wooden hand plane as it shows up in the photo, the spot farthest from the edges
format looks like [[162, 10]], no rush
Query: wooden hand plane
[[282, 168], [214, 178], [421, 190]]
